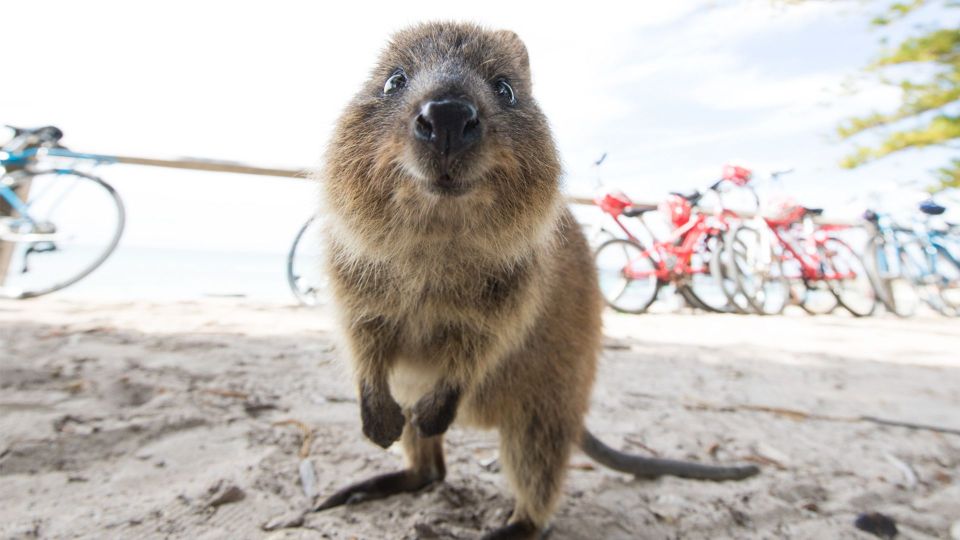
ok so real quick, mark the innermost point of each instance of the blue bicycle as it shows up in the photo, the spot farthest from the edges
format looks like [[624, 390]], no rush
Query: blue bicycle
[[915, 264], [57, 223]]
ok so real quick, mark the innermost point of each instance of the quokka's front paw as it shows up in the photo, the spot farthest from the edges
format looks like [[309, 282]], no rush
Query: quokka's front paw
[[434, 413], [382, 418]]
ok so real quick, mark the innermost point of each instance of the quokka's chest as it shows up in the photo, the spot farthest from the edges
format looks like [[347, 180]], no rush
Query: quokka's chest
[[429, 284], [463, 291]]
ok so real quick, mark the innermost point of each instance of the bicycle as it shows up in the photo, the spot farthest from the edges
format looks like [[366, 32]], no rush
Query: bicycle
[[811, 262], [48, 239], [749, 257], [631, 276], [911, 264]]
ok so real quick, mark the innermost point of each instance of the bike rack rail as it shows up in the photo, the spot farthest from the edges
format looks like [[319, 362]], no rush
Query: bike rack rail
[[212, 165], [197, 164], [745, 214]]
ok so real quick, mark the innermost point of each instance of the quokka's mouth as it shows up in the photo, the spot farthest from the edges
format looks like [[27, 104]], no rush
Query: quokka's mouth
[[447, 185]]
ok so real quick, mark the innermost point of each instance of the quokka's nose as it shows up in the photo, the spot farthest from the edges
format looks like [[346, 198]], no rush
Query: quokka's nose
[[448, 126]]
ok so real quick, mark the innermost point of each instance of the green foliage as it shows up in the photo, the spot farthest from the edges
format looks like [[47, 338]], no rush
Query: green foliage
[[897, 11], [928, 113], [937, 131], [937, 46], [948, 176]]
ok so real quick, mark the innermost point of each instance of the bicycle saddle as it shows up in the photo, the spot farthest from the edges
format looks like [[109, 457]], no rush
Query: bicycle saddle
[[44, 133], [931, 208], [638, 210], [813, 211]]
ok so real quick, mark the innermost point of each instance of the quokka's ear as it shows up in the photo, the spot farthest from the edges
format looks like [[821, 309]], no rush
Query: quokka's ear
[[516, 46]]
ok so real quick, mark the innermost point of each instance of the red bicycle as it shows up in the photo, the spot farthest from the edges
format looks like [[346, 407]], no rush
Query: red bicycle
[[793, 257], [631, 275]]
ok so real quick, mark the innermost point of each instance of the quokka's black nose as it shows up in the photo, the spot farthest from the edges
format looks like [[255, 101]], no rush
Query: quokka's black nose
[[447, 126]]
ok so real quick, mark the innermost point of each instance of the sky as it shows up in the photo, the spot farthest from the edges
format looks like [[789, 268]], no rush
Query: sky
[[671, 91]]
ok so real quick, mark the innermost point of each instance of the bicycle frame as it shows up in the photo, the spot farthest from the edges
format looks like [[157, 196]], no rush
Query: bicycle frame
[[811, 264], [673, 260], [22, 158], [943, 242], [888, 259], [27, 155], [932, 243]]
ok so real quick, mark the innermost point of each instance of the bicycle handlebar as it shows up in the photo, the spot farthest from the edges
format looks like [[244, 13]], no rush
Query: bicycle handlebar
[[694, 198]]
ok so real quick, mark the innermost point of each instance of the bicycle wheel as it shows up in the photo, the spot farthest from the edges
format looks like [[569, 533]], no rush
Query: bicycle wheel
[[305, 275], [894, 275], [948, 273], [724, 269], [759, 271], [918, 265], [74, 222], [702, 286], [628, 276], [847, 277]]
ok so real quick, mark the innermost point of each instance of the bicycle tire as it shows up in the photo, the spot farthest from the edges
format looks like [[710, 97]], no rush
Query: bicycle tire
[[771, 272], [812, 295], [307, 297], [724, 270], [100, 259], [846, 296], [948, 286], [705, 298], [612, 281], [894, 291]]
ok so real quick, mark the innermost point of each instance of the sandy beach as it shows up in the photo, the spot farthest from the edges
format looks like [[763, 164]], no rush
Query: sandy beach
[[224, 418]]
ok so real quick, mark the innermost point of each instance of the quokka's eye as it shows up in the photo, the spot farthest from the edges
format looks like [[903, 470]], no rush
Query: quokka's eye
[[505, 91], [396, 82]]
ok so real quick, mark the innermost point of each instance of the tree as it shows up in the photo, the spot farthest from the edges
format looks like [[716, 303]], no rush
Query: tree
[[929, 114]]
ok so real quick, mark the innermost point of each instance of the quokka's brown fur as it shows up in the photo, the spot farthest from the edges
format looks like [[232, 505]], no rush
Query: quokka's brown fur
[[481, 305]]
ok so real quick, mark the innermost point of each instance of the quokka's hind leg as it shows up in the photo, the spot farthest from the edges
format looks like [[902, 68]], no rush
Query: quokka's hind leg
[[424, 467], [534, 453]]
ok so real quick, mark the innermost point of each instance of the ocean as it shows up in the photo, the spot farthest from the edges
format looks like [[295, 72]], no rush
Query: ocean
[[134, 273]]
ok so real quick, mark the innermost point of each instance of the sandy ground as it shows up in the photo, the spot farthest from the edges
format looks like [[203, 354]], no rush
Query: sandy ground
[[187, 420]]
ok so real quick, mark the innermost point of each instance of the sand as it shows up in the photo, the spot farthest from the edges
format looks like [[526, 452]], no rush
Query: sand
[[188, 420]]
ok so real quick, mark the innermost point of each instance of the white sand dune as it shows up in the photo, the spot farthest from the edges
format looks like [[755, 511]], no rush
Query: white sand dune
[[187, 420]]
